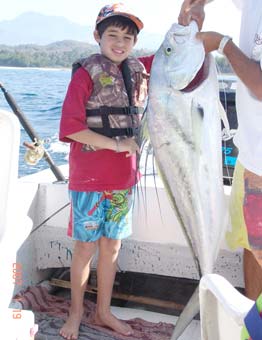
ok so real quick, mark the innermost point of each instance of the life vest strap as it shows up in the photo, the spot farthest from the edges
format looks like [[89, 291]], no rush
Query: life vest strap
[[106, 110], [106, 129]]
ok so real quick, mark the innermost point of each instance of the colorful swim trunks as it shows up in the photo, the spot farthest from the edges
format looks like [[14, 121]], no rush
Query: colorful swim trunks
[[97, 214], [246, 212]]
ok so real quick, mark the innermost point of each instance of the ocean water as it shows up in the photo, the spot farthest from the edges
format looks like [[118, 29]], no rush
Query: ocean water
[[39, 93]]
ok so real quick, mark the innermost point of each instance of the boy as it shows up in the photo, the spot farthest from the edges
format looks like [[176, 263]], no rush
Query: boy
[[100, 115]]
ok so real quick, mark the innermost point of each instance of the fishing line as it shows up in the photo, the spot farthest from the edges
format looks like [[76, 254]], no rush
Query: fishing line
[[157, 193], [225, 136], [48, 218], [224, 144]]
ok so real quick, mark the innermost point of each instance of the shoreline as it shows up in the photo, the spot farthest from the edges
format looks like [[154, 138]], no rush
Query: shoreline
[[220, 75], [35, 68]]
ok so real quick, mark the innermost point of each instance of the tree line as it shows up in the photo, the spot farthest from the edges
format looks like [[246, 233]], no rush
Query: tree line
[[63, 54]]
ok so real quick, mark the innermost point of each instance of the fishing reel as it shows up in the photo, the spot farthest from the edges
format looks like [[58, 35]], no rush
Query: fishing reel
[[35, 151]]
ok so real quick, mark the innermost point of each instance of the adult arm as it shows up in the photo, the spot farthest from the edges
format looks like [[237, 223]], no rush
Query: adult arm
[[247, 69]]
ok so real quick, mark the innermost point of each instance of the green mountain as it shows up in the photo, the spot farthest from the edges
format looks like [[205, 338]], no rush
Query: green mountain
[[58, 54], [64, 53]]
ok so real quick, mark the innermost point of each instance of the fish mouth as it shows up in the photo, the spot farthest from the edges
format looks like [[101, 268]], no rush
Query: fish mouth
[[180, 30], [184, 71]]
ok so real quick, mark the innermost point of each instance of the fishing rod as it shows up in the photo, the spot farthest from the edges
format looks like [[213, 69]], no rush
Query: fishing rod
[[31, 133]]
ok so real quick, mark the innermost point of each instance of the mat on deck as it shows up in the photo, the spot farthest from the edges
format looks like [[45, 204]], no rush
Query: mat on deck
[[51, 311]]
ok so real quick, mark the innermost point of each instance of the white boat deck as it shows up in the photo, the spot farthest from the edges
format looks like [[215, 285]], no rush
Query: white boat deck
[[157, 245]]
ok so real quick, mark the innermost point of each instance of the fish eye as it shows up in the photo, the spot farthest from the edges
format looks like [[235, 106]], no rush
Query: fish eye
[[168, 50]]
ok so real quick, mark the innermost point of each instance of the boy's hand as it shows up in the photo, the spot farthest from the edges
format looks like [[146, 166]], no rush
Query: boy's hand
[[128, 145], [192, 10]]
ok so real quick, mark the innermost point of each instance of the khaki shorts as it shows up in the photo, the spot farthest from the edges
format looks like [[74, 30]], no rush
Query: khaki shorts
[[246, 212]]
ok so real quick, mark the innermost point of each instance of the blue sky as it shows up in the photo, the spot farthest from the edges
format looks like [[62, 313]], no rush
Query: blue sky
[[221, 15]]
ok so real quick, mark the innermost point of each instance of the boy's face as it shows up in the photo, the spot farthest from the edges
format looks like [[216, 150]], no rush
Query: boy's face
[[116, 44]]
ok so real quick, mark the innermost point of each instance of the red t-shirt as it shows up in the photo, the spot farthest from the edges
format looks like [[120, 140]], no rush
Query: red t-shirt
[[103, 169]]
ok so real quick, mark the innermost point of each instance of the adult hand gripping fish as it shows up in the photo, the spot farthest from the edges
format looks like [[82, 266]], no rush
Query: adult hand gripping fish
[[185, 132]]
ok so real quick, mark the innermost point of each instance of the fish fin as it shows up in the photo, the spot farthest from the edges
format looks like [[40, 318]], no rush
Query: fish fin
[[179, 218], [140, 192], [155, 166], [143, 135]]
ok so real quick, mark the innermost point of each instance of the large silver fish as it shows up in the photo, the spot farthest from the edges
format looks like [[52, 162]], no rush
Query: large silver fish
[[185, 132]]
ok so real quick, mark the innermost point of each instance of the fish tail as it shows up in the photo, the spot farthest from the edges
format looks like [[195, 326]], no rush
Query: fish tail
[[191, 309]]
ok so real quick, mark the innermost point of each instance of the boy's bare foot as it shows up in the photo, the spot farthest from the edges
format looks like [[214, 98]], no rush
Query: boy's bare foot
[[109, 320], [70, 329]]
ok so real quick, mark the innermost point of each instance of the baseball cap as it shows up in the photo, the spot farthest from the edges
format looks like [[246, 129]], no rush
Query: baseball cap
[[118, 9]]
